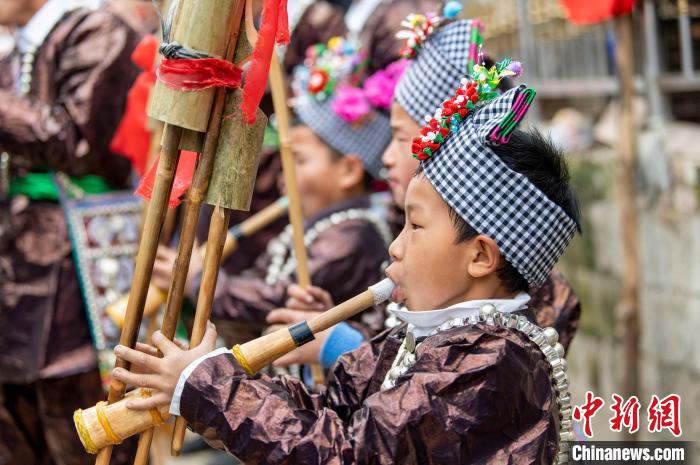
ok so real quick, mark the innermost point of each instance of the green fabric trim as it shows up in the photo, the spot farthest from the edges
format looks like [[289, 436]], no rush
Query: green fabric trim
[[271, 138], [41, 186], [187, 311]]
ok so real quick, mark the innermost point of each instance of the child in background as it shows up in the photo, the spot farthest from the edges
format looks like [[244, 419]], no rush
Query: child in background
[[337, 145]]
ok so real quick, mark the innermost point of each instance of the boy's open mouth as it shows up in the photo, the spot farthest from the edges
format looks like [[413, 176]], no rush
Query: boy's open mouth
[[397, 295]]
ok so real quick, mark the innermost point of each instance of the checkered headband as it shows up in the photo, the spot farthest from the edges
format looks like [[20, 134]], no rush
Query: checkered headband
[[437, 69], [530, 229], [367, 138]]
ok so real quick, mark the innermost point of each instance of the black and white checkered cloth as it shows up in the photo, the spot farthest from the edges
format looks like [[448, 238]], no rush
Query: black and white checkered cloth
[[436, 72], [530, 229], [367, 138]]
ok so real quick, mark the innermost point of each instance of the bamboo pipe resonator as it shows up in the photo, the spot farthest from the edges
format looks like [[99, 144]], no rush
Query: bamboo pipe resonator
[[106, 425]]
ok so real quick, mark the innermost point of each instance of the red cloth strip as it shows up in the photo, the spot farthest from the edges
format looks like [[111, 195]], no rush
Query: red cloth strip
[[274, 27], [132, 138], [183, 178], [596, 11], [194, 75], [282, 36]]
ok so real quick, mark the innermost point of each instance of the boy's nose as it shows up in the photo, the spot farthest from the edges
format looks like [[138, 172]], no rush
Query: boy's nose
[[387, 158], [396, 249]]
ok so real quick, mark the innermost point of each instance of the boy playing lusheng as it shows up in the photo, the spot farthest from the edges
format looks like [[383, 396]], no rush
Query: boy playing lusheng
[[438, 61], [468, 378], [337, 151]]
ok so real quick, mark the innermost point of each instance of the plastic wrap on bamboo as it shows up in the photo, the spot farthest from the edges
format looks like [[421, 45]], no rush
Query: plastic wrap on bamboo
[[190, 110], [104, 425]]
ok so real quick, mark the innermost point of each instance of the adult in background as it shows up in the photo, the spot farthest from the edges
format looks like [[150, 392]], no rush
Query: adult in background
[[63, 89]]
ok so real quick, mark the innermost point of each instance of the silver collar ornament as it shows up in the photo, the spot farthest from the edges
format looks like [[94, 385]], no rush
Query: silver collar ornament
[[282, 259], [547, 340]]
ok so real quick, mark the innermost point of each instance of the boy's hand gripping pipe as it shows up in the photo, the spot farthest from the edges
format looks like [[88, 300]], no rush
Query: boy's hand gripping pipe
[[104, 425]]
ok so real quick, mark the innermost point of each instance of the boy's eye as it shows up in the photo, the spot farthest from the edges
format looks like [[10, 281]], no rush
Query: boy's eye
[[415, 226]]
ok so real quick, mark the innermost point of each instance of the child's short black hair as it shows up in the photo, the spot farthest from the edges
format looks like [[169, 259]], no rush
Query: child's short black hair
[[538, 159]]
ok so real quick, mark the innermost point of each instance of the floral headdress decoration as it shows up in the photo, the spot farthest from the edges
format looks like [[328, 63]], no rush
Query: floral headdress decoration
[[480, 87], [419, 27], [326, 66], [336, 71]]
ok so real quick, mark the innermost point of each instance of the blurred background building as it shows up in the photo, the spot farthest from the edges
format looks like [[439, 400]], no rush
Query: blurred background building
[[573, 69]]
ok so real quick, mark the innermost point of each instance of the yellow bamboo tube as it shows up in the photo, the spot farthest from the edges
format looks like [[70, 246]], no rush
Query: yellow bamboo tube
[[109, 424]]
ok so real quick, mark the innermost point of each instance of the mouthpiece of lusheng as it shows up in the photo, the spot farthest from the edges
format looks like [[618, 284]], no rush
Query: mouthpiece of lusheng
[[255, 354], [382, 290]]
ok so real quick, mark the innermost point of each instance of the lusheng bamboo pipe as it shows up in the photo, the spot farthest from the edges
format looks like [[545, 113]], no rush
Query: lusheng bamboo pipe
[[279, 102], [103, 426], [188, 231], [260, 352], [295, 213], [252, 355], [153, 222], [210, 272], [258, 221]]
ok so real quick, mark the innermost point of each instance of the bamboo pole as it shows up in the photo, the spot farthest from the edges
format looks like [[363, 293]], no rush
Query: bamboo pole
[[156, 297], [212, 260], [153, 222], [627, 310], [279, 102], [153, 150], [193, 203]]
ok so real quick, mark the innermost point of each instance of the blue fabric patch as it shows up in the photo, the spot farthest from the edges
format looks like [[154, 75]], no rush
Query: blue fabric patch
[[344, 338]]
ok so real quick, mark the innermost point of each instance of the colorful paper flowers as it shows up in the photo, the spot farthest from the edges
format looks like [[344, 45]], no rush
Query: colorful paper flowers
[[335, 71], [448, 118], [350, 104], [379, 87], [418, 28], [326, 65]]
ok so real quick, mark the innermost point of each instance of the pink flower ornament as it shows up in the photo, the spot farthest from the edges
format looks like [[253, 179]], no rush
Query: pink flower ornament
[[350, 104]]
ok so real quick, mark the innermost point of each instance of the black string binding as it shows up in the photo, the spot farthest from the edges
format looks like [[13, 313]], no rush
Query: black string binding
[[173, 50]]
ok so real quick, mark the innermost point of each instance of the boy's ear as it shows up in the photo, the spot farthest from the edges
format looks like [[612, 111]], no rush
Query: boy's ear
[[485, 257], [352, 172]]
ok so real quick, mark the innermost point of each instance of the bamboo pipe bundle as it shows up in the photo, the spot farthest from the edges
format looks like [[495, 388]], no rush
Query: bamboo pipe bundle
[[212, 153], [295, 214], [105, 425], [156, 297], [210, 272], [252, 356], [204, 26]]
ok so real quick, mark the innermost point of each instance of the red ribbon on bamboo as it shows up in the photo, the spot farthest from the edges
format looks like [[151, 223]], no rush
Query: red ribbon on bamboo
[[274, 28], [200, 74], [183, 178]]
